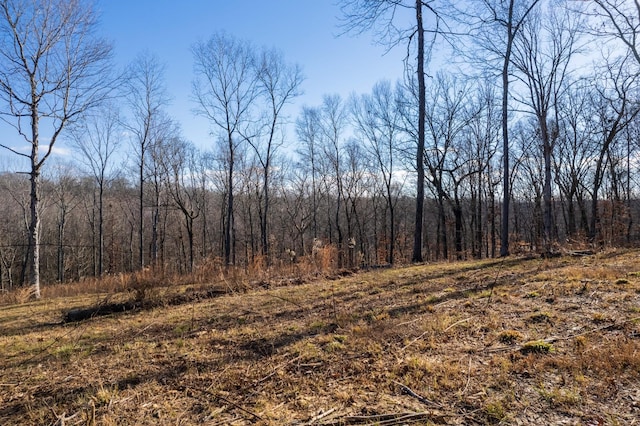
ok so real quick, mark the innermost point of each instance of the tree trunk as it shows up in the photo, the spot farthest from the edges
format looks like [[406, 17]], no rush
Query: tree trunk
[[61, 226], [229, 222], [141, 213], [417, 235], [547, 218], [34, 224], [506, 185], [101, 229], [34, 228]]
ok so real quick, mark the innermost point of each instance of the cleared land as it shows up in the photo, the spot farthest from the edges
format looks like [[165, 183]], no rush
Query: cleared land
[[514, 341]]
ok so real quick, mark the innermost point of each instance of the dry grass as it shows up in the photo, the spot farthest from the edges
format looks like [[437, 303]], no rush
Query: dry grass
[[554, 341]]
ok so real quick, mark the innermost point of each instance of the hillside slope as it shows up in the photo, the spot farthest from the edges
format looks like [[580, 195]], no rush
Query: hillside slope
[[512, 341]]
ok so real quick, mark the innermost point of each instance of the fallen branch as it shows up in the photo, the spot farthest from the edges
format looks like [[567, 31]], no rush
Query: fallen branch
[[580, 253], [456, 323], [554, 339], [287, 300], [407, 391], [385, 419], [413, 341], [222, 398], [275, 370], [63, 418], [320, 416]]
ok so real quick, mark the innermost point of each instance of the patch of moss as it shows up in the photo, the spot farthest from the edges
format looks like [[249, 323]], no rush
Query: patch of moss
[[537, 347], [495, 412], [509, 337]]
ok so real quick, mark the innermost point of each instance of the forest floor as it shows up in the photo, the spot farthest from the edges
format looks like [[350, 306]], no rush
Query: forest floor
[[510, 341]]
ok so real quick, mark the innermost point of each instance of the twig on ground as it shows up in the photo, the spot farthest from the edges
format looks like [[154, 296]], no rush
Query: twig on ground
[[466, 386], [320, 416], [275, 370], [62, 418], [456, 323], [222, 398], [421, 317], [287, 300], [384, 419], [406, 390], [413, 341]]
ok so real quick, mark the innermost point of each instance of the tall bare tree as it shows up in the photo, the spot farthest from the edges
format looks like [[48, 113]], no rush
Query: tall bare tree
[[573, 154], [97, 138], [308, 132], [377, 120], [616, 107], [52, 69], [505, 17], [66, 197], [278, 83], [181, 160], [333, 122], [224, 89], [542, 53], [383, 17], [146, 96]]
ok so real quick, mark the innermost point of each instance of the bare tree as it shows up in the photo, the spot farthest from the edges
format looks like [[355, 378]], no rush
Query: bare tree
[[383, 16], [377, 120], [619, 19], [14, 227], [308, 132], [616, 107], [224, 89], [66, 197], [333, 122], [482, 137], [573, 154], [97, 138], [181, 160], [279, 83], [146, 96], [164, 135], [488, 17], [447, 119], [542, 54], [52, 69]]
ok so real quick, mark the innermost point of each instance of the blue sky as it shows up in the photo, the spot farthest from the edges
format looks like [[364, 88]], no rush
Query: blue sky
[[306, 31]]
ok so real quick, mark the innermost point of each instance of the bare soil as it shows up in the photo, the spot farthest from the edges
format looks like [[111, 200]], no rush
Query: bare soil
[[512, 341]]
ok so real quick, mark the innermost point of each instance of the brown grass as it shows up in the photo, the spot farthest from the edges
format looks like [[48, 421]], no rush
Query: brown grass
[[514, 341]]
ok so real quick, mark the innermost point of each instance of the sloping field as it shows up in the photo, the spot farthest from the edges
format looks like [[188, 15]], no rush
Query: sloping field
[[514, 341]]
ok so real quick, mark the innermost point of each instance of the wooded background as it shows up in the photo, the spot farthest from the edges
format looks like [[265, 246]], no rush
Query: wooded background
[[553, 84]]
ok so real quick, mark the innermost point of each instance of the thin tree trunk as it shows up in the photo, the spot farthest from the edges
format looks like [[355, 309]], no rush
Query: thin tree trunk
[[141, 213], [101, 230], [506, 186], [229, 222]]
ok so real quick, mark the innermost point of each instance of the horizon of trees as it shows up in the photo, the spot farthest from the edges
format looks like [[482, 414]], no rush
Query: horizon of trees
[[137, 194]]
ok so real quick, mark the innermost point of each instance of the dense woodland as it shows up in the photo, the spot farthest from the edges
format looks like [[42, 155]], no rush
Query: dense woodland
[[275, 184]]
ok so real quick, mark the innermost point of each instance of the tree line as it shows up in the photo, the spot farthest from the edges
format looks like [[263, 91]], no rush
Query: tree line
[[524, 141]]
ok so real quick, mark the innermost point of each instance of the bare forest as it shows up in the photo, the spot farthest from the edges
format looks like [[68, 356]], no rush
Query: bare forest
[[458, 246], [525, 141]]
